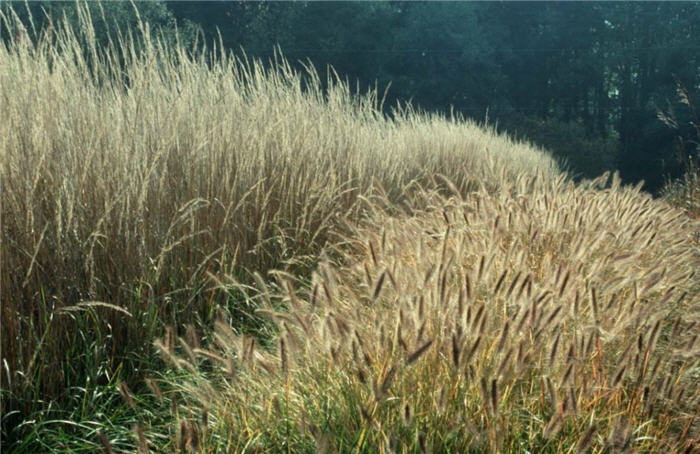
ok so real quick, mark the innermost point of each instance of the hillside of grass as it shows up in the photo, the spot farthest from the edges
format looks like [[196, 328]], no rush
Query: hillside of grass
[[202, 252]]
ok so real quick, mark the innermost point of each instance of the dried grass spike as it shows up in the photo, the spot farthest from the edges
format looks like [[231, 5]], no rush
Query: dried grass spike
[[618, 376], [485, 395], [388, 380], [494, 396], [126, 395], [504, 336], [513, 284], [378, 287], [499, 283], [284, 356], [142, 445], [406, 414], [553, 426], [555, 347], [155, 389], [419, 352], [587, 438], [482, 264], [468, 286], [105, 443], [562, 288], [456, 350], [594, 305]]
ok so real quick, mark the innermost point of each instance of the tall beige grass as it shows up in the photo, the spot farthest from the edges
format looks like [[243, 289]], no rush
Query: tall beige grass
[[544, 316], [132, 174]]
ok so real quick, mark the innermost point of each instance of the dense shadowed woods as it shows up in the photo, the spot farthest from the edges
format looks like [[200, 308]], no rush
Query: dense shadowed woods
[[585, 80]]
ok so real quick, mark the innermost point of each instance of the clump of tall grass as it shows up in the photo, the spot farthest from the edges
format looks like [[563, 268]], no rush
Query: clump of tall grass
[[684, 193], [133, 173], [544, 316]]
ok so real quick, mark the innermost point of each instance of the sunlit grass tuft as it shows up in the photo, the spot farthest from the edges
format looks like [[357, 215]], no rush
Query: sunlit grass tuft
[[541, 317], [684, 193]]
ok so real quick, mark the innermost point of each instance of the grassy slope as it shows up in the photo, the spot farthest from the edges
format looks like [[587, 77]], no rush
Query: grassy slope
[[488, 309], [140, 182]]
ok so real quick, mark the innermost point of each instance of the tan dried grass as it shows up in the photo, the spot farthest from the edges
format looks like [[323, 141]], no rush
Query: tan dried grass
[[631, 257], [143, 175]]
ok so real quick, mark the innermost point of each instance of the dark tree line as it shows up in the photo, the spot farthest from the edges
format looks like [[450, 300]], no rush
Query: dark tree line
[[586, 80]]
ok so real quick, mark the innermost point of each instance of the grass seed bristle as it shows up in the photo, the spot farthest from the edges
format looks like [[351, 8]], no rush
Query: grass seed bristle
[[105, 443], [419, 352], [587, 438], [378, 286]]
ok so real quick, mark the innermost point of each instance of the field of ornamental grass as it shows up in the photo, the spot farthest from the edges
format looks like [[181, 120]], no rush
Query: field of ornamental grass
[[205, 253]]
